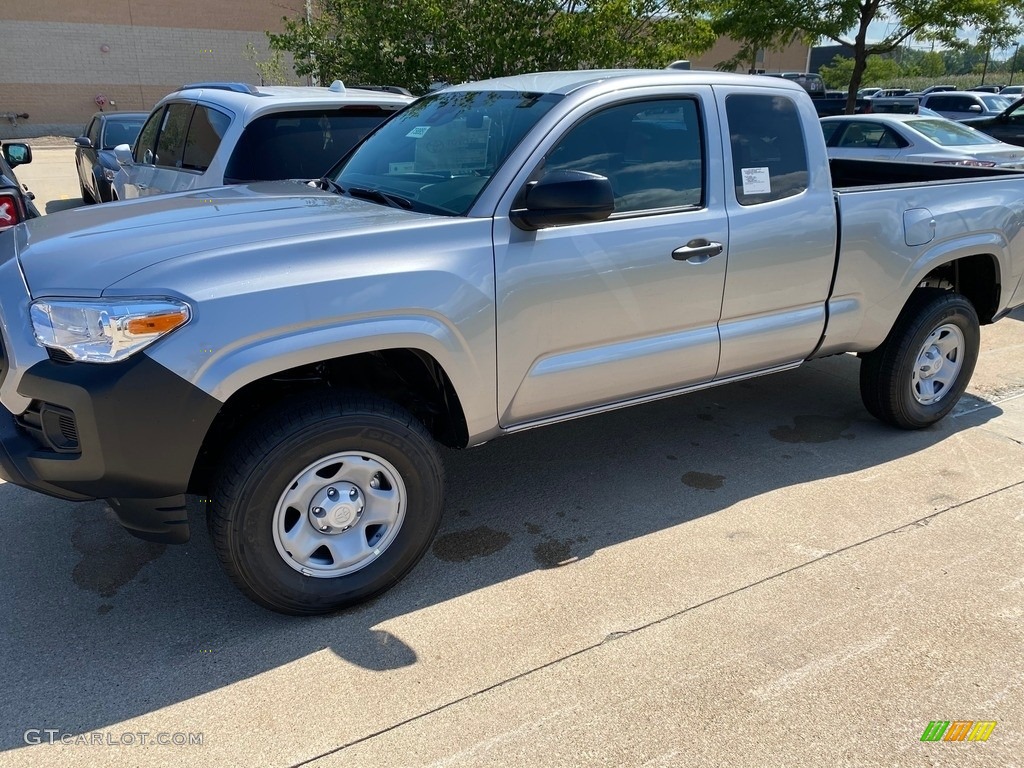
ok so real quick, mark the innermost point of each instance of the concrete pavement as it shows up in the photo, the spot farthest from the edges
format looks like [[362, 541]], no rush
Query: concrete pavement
[[756, 575]]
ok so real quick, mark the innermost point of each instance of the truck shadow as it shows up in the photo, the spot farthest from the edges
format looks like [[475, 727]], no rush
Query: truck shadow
[[104, 628]]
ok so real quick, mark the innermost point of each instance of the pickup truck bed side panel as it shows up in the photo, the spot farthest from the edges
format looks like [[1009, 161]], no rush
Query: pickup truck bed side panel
[[878, 270]]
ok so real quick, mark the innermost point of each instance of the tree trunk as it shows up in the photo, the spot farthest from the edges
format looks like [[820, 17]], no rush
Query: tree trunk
[[860, 58]]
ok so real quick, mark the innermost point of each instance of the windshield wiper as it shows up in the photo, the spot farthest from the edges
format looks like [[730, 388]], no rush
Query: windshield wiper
[[330, 185], [395, 201]]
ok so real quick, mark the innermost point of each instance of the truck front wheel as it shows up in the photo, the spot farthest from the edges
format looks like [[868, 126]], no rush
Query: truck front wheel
[[924, 365], [331, 502]]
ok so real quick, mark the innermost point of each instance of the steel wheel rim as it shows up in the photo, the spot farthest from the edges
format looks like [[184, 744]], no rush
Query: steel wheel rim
[[938, 364], [362, 517]]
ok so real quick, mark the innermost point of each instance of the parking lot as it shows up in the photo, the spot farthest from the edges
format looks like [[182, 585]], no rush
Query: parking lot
[[755, 575]]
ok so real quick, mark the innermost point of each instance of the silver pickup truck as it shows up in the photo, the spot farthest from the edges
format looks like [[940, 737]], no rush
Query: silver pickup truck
[[496, 257]]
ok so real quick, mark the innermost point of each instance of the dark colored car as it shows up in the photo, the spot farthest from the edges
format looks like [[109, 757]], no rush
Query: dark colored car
[[15, 200], [94, 151], [1007, 126]]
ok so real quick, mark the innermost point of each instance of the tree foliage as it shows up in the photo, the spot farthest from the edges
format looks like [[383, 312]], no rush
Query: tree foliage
[[838, 73], [767, 22], [414, 43]]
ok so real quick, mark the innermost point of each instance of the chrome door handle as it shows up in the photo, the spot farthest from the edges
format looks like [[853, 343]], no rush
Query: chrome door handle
[[697, 251]]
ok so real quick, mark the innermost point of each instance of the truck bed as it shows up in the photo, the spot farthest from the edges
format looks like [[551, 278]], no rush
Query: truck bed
[[872, 173]]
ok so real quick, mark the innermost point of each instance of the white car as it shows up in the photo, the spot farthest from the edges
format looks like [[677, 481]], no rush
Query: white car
[[210, 134], [916, 139]]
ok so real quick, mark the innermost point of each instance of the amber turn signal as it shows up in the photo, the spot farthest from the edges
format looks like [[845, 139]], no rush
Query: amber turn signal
[[145, 326]]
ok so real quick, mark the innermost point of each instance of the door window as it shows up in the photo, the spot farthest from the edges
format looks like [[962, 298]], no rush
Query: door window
[[171, 143], [769, 156], [93, 132], [205, 133], [145, 147], [652, 152]]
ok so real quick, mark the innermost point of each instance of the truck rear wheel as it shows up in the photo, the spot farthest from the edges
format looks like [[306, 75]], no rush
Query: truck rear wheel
[[329, 503], [924, 365]]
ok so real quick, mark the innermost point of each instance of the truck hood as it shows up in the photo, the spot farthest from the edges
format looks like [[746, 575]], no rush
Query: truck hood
[[82, 251]]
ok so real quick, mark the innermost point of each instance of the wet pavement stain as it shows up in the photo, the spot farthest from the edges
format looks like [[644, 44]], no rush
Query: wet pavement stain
[[111, 557], [670, 457], [813, 429], [462, 546], [533, 528], [463, 513], [553, 552], [703, 481], [705, 417], [105, 608]]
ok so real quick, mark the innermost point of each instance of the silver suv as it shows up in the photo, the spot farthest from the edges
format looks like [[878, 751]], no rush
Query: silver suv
[[961, 105], [209, 134]]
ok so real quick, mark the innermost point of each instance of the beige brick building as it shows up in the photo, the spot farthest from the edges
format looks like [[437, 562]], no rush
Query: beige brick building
[[60, 57]]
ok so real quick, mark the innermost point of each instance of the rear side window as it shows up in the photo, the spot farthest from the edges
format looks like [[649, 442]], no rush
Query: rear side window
[[204, 136], [768, 150], [171, 143], [146, 147], [300, 144]]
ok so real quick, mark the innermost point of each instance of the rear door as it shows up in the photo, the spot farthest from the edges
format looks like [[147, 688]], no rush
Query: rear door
[[782, 232], [602, 312]]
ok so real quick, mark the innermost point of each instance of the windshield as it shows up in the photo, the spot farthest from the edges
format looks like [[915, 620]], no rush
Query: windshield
[[946, 133], [438, 154], [996, 103]]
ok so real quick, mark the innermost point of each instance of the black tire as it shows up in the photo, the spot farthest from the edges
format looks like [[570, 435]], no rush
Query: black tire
[[886, 374], [271, 454], [87, 197]]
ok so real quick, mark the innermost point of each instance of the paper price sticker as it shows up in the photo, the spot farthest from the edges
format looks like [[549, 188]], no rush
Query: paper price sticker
[[756, 181]]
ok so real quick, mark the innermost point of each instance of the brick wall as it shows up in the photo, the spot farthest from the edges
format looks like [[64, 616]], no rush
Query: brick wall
[[59, 56]]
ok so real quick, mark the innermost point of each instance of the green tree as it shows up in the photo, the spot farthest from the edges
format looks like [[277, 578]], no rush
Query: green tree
[[878, 71], [846, 22], [416, 42]]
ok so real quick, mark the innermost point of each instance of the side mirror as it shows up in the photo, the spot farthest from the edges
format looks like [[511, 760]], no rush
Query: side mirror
[[123, 154], [84, 142], [564, 197], [974, 108], [17, 154]]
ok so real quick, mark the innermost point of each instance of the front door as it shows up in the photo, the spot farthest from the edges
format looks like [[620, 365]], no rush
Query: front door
[[603, 312]]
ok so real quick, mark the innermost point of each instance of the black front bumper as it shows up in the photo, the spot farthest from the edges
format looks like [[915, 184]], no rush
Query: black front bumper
[[129, 432]]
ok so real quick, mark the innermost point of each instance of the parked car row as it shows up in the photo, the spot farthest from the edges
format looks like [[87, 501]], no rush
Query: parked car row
[[214, 133]]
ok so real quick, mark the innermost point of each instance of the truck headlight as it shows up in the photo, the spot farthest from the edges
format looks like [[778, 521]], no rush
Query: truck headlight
[[105, 331]]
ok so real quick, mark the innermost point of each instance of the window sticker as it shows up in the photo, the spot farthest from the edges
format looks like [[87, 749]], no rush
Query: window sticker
[[418, 132], [408, 167], [756, 181]]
